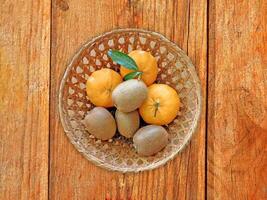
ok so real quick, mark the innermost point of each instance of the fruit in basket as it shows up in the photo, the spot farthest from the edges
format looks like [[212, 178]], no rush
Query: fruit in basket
[[147, 64], [161, 106], [100, 123], [100, 85], [129, 95], [127, 123], [150, 139]]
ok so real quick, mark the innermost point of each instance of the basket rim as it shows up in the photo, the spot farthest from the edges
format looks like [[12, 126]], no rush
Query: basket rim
[[190, 133]]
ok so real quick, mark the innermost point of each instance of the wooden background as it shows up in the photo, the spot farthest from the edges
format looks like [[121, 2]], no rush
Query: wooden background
[[227, 42]]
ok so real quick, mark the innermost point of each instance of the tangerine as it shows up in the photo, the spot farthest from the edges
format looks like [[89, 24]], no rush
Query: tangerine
[[100, 85], [161, 106], [146, 63]]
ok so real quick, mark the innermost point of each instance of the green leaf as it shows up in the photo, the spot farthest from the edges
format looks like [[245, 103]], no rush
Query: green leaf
[[132, 75], [123, 59]]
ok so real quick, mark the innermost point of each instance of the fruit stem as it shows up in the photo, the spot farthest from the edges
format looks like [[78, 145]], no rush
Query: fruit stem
[[157, 108], [139, 76]]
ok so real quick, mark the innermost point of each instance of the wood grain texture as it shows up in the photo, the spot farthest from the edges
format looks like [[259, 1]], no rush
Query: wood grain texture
[[24, 98], [71, 175], [237, 108]]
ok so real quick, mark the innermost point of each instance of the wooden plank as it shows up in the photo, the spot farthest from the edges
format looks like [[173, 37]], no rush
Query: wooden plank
[[237, 109], [71, 175], [24, 98]]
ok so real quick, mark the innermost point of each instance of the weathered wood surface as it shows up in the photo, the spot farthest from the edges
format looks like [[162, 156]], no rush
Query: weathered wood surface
[[226, 41], [72, 176], [237, 106], [24, 98]]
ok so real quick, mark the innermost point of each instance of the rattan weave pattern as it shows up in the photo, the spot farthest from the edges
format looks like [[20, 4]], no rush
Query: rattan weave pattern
[[175, 69]]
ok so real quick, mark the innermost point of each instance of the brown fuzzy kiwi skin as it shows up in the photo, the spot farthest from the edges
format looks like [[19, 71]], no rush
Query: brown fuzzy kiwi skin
[[127, 123], [100, 123], [129, 95], [150, 139]]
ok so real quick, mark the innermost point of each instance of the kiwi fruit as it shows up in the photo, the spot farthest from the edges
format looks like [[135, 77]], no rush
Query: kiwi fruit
[[150, 139], [100, 123], [129, 95], [127, 123]]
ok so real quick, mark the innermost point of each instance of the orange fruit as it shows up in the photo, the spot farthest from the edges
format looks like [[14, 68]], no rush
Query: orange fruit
[[161, 106], [100, 85], [146, 63]]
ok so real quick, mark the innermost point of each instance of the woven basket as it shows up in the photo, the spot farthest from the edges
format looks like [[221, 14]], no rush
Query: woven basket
[[175, 69]]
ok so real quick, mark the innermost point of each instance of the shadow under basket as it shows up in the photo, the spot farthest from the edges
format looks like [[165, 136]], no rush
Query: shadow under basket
[[175, 69]]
